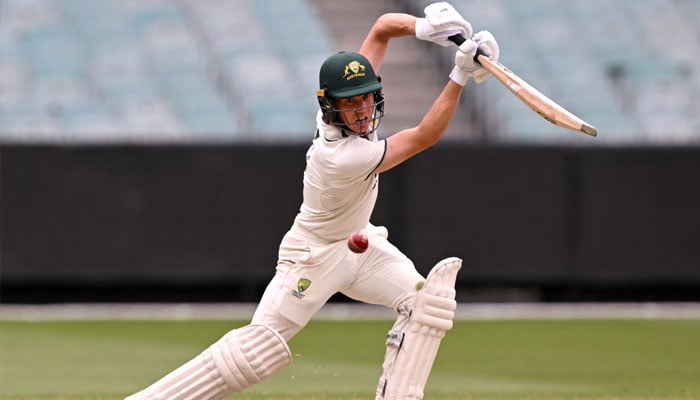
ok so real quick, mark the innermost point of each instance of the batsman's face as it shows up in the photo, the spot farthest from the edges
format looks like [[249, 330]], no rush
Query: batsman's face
[[357, 112]]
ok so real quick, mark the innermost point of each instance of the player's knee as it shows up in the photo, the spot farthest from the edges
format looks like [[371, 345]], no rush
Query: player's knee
[[248, 355]]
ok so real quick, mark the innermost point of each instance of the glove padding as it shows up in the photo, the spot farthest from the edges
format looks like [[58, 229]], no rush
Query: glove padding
[[465, 66], [441, 21]]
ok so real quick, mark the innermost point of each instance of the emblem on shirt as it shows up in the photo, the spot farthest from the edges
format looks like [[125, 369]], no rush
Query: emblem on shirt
[[302, 285]]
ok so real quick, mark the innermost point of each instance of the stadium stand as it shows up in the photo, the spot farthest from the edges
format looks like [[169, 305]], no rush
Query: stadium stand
[[157, 70], [213, 70]]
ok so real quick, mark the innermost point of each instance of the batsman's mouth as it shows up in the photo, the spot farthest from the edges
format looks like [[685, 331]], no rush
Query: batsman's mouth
[[362, 125]]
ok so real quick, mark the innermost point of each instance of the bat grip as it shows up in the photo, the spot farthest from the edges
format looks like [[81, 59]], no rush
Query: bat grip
[[458, 39]]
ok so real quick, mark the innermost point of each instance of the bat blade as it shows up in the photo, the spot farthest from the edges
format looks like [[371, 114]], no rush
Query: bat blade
[[536, 100]]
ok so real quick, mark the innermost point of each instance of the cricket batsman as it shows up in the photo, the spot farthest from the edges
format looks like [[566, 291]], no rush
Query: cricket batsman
[[340, 186]]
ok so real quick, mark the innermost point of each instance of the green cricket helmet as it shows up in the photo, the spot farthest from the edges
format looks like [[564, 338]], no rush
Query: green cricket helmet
[[348, 74]]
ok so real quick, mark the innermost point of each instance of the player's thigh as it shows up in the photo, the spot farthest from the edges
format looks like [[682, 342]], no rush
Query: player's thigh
[[384, 276], [299, 290]]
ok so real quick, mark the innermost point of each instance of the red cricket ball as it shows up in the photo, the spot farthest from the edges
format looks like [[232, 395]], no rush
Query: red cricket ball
[[357, 242]]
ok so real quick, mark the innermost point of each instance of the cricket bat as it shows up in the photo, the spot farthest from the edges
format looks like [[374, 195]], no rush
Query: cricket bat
[[533, 98]]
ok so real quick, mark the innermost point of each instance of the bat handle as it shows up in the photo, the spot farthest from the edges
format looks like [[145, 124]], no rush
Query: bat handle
[[458, 39]]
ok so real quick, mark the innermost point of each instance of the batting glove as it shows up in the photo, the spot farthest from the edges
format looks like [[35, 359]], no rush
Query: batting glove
[[441, 21], [464, 63], [465, 66], [489, 47]]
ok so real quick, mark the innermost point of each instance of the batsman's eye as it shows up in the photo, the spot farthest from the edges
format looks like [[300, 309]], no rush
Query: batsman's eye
[[357, 100]]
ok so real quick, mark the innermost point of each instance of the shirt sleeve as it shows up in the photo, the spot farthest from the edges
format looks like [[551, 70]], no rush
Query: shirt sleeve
[[359, 158]]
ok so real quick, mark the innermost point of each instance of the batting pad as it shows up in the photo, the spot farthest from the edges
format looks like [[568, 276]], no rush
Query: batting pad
[[240, 359], [431, 317]]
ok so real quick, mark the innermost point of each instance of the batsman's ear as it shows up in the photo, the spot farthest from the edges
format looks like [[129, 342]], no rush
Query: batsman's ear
[[326, 106]]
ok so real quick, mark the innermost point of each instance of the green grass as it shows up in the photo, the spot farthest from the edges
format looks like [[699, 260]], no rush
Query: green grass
[[606, 359]]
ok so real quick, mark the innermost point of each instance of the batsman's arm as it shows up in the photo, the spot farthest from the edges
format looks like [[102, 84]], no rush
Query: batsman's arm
[[406, 143], [385, 28]]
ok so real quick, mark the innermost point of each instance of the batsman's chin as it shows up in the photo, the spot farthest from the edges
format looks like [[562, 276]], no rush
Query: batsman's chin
[[361, 127]]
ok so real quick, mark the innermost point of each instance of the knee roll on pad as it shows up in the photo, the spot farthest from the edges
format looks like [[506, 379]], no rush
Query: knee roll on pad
[[240, 359], [248, 355], [434, 311]]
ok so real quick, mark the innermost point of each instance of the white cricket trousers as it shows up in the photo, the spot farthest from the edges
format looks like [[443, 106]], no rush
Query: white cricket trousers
[[309, 273]]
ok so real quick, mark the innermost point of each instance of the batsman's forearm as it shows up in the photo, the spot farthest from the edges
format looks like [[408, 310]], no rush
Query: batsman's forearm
[[438, 118], [385, 28], [409, 142]]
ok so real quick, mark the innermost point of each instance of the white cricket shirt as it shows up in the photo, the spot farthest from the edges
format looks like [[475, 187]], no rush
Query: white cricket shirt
[[340, 185]]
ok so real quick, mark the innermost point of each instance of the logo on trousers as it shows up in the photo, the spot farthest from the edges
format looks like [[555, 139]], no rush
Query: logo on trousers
[[302, 285]]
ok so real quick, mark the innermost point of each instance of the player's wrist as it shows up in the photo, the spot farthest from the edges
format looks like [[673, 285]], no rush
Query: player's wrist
[[460, 76]]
